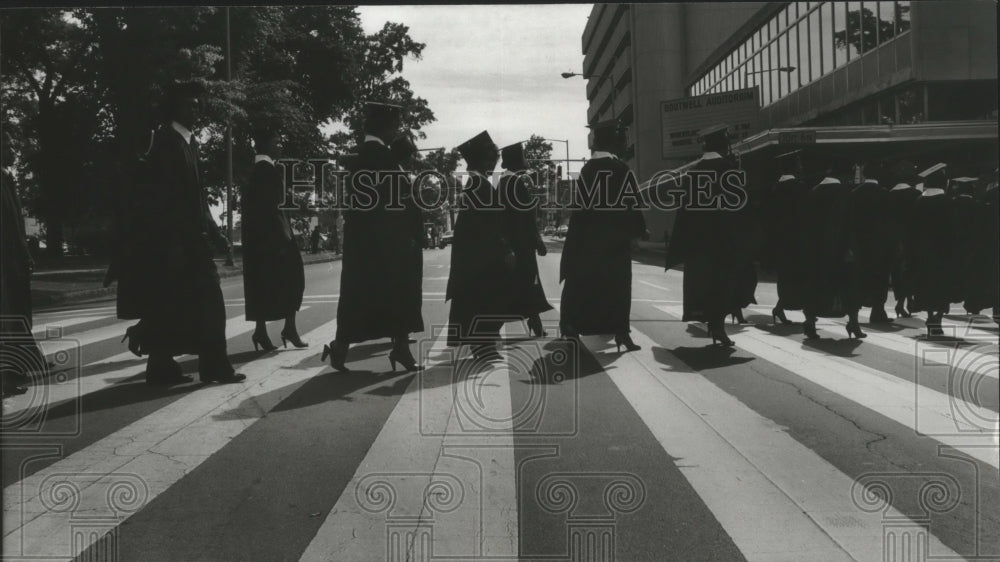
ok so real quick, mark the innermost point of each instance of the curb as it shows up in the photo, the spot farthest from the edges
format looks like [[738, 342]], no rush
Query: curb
[[47, 299]]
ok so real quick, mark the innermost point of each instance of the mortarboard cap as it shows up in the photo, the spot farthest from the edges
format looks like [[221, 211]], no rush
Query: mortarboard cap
[[935, 175], [513, 157], [935, 169], [606, 132], [379, 114], [716, 130], [477, 147]]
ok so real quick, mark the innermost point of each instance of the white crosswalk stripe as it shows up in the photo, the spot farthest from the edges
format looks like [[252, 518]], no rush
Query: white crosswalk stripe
[[441, 478]]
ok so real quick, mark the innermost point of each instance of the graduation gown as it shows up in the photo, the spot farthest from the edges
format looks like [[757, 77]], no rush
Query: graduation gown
[[375, 295], [748, 223], [413, 286], [785, 247], [17, 345], [129, 243], [480, 284], [984, 276], [869, 221], [964, 213], [182, 306], [932, 253], [596, 265], [706, 242], [273, 276], [899, 231], [522, 232], [830, 252]]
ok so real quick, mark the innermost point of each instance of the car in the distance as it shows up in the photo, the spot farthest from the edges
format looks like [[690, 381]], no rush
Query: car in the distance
[[549, 230], [446, 238], [562, 230]]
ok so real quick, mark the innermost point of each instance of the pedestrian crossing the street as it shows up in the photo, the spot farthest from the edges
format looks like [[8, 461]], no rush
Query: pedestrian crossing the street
[[776, 449]]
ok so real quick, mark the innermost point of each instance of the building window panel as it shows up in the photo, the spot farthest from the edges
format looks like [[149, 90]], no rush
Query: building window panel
[[815, 49], [769, 68], [840, 34], [886, 21], [868, 20], [802, 32], [902, 17], [855, 40], [793, 59], [803, 8], [782, 63], [826, 37]]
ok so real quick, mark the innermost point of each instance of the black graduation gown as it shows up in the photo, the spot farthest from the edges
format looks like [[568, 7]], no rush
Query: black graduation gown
[[129, 243], [899, 231], [596, 264], [869, 219], [932, 253], [984, 276], [375, 298], [748, 223], [527, 292], [18, 347], [706, 242], [183, 310], [830, 252], [964, 212], [786, 247], [479, 283], [273, 276], [414, 276]]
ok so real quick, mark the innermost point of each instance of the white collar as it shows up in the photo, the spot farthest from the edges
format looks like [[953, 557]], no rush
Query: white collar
[[373, 138], [263, 158], [711, 156], [901, 187], [931, 191], [595, 154], [828, 181], [183, 131], [870, 180], [786, 177]]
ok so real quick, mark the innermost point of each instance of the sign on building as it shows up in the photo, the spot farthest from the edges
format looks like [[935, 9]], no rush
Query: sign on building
[[681, 119]]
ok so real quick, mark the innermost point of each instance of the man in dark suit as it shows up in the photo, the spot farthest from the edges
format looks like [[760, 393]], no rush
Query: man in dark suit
[[596, 265], [183, 308], [378, 244]]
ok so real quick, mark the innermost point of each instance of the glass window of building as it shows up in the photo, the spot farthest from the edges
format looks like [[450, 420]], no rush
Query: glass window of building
[[869, 25], [886, 21], [910, 104], [765, 85], [840, 57], [826, 37], [902, 17], [782, 63], [815, 50], [855, 40], [773, 63], [793, 59], [802, 33], [782, 19]]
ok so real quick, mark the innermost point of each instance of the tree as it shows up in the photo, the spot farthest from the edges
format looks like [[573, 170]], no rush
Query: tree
[[445, 164]]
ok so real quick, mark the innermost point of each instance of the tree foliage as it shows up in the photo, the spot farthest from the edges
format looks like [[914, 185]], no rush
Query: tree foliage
[[80, 86]]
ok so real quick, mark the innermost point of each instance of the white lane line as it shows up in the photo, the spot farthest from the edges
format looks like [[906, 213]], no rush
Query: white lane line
[[118, 475], [653, 285], [61, 324], [948, 419], [774, 496], [381, 505], [984, 362], [50, 391]]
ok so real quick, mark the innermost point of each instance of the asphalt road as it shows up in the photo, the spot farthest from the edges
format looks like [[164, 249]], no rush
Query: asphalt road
[[778, 449]]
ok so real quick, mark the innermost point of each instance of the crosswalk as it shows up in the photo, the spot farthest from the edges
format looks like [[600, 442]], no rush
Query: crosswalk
[[778, 449]]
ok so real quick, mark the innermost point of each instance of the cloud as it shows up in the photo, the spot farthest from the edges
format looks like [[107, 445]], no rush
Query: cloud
[[496, 68]]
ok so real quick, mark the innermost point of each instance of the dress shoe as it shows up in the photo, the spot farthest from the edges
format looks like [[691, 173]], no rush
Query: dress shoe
[[223, 378]]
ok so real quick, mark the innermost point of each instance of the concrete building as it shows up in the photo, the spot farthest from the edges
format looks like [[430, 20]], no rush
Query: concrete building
[[883, 66]]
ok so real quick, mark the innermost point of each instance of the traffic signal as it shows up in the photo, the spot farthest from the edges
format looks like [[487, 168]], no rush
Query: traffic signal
[[558, 172]]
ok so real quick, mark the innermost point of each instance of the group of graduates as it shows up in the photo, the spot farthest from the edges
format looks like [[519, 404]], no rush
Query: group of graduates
[[494, 275], [837, 247]]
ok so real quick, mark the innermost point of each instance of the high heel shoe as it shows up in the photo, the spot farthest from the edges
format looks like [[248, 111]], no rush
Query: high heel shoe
[[337, 354], [263, 341], [901, 311], [292, 337], [779, 314], [626, 340], [934, 327], [535, 326], [133, 335], [809, 329], [854, 330], [404, 358], [719, 336]]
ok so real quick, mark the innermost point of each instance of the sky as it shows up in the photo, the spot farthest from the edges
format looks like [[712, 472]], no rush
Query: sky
[[496, 68]]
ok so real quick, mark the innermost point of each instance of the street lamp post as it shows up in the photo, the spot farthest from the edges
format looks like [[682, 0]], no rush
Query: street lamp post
[[567, 152], [603, 77], [746, 73]]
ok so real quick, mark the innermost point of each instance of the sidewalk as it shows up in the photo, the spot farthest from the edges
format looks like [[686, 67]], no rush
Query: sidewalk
[[76, 280]]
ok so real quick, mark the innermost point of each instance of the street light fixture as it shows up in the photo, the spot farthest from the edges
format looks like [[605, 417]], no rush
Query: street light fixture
[[567, 152], [603, 77]]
